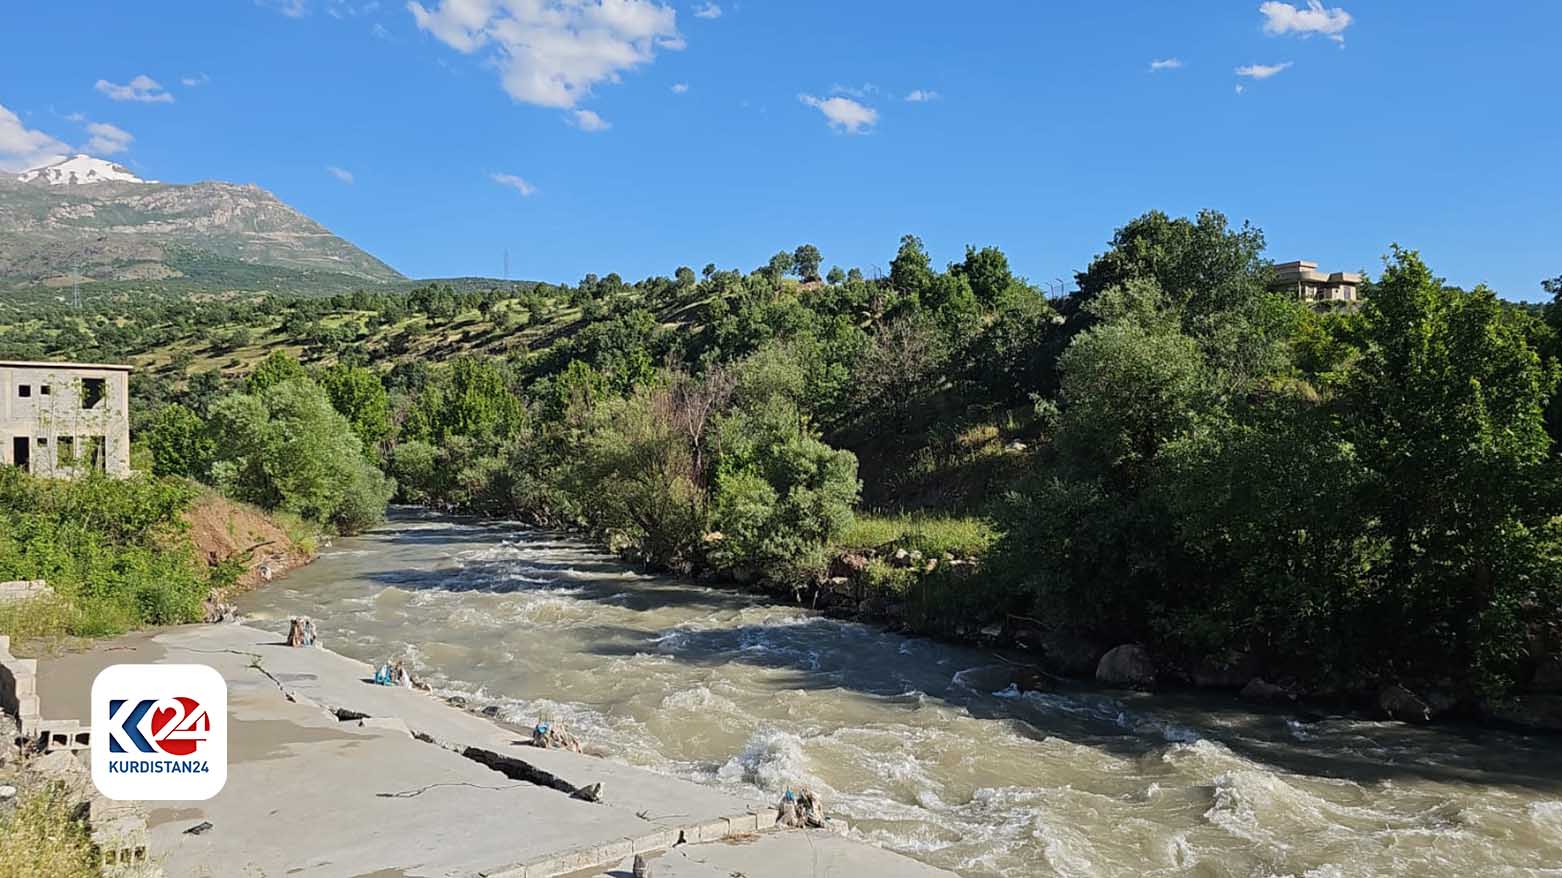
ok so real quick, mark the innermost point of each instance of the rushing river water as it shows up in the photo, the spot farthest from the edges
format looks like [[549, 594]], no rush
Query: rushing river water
[[919, 744]]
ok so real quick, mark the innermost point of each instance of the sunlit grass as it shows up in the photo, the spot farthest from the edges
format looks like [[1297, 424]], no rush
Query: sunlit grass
[[932, 535]]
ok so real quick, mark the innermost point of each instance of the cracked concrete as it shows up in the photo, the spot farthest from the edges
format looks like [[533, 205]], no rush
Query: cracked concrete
[[330, 775]]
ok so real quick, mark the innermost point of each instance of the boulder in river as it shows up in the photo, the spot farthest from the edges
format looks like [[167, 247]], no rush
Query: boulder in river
[[1400, 703], [1261, 690], [1128, 666]]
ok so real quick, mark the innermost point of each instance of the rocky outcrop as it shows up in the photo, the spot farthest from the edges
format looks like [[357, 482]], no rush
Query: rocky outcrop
[[1264, 692], [1128, 666], [1397, 702]]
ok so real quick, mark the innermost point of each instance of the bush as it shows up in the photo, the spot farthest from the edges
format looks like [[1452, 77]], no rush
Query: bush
[[43, 838], [114, 551], [287, 448]]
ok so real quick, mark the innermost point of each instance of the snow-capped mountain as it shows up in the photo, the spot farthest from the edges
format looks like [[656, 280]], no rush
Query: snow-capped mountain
[[80, 169], [85, 219]]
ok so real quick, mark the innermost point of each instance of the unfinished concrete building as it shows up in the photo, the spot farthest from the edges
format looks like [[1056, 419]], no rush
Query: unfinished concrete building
[[64, 420], [1303, 280]]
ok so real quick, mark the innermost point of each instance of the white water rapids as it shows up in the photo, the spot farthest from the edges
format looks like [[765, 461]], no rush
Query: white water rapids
[[921, 746]]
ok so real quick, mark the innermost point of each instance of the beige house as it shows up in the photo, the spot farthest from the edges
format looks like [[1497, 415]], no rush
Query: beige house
[[1303, 279], [64, 419]]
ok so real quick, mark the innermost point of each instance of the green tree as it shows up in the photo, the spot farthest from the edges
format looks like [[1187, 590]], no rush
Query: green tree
[[276, 368], [179, 442], [805, 260], [987, 271], [911, 270], [836, 277], [358, 394], [287, 448]]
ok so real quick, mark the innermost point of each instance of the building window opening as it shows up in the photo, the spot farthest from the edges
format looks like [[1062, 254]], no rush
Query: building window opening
[[97, 453], [65, 451], [24, 390], [21, 452], [92, 392], [43, 390]]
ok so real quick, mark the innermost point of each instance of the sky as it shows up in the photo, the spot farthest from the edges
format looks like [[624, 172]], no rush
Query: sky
[[639, 135]]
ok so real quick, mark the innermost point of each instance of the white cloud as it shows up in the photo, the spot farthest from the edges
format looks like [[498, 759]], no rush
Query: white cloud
[[143, 88], [380, 32], [342, 174], [922, 96], [22, 148], [553, 52], [1241, 88], [1283, 18], [680, 88], [290, 8], [588, 120], [107, 139], [1262, 71], [843, 113], [707, 10], [1160, 64], [862, 92], [195, 81], [514, 182]]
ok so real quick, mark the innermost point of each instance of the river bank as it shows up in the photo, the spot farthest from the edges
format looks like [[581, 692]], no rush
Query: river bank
[[922, 746]]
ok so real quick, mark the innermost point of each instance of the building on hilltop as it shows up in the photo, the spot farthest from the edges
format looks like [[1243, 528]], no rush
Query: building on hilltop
[[1303, 280], [65, 419]]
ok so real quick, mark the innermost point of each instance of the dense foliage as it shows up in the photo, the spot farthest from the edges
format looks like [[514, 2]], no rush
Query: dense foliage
[[113, 552], [1172, 454]]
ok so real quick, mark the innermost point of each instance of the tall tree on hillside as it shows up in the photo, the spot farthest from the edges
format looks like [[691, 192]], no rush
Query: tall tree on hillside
[[1203, 264], [911, 270], [805, 261], [778, 266], [280, 366], [987, 270]]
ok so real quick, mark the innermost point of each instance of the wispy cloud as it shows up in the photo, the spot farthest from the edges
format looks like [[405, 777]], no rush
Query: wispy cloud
[[680, 88], [290, 8], [1262, 71], [588, 120], [1160, 64], [143, 88], [844, 113], [196, 81], [341, 174], [707, 10], [922, 96], [552, 53], [860, 92], [1283, 18], [380, 32], [106, 139], [514, 182], [22, 148]]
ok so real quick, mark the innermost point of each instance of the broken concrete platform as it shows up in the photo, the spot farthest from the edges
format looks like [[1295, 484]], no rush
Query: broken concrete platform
[[330, 775]]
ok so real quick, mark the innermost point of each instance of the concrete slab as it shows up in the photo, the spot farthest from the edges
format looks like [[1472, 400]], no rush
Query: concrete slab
[[325, 780], [815, 853]]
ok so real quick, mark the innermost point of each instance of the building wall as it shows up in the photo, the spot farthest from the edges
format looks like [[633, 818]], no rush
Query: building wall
[[44, 419]]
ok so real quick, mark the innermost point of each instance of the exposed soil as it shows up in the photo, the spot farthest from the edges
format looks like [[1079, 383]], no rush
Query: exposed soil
[[223, 529]]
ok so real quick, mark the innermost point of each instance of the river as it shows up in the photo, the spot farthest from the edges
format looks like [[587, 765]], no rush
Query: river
[[921, 745]]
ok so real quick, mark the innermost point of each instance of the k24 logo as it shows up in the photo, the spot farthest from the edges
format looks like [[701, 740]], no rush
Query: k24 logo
[[175, 726], [159, 732]]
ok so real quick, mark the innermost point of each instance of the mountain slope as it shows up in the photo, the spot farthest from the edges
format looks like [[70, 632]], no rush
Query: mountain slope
[[97, 219]]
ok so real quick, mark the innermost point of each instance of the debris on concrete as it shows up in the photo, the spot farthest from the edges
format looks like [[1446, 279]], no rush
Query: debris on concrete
[[801, 809], [592, 793], [301, 632], [551, 736]]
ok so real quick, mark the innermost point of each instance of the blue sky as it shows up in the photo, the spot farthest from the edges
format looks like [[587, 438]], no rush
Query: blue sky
[[638, 135]]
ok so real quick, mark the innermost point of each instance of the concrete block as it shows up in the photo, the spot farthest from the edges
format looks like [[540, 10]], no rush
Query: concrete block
[[714, 830], [656, 841], [744, 823]]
